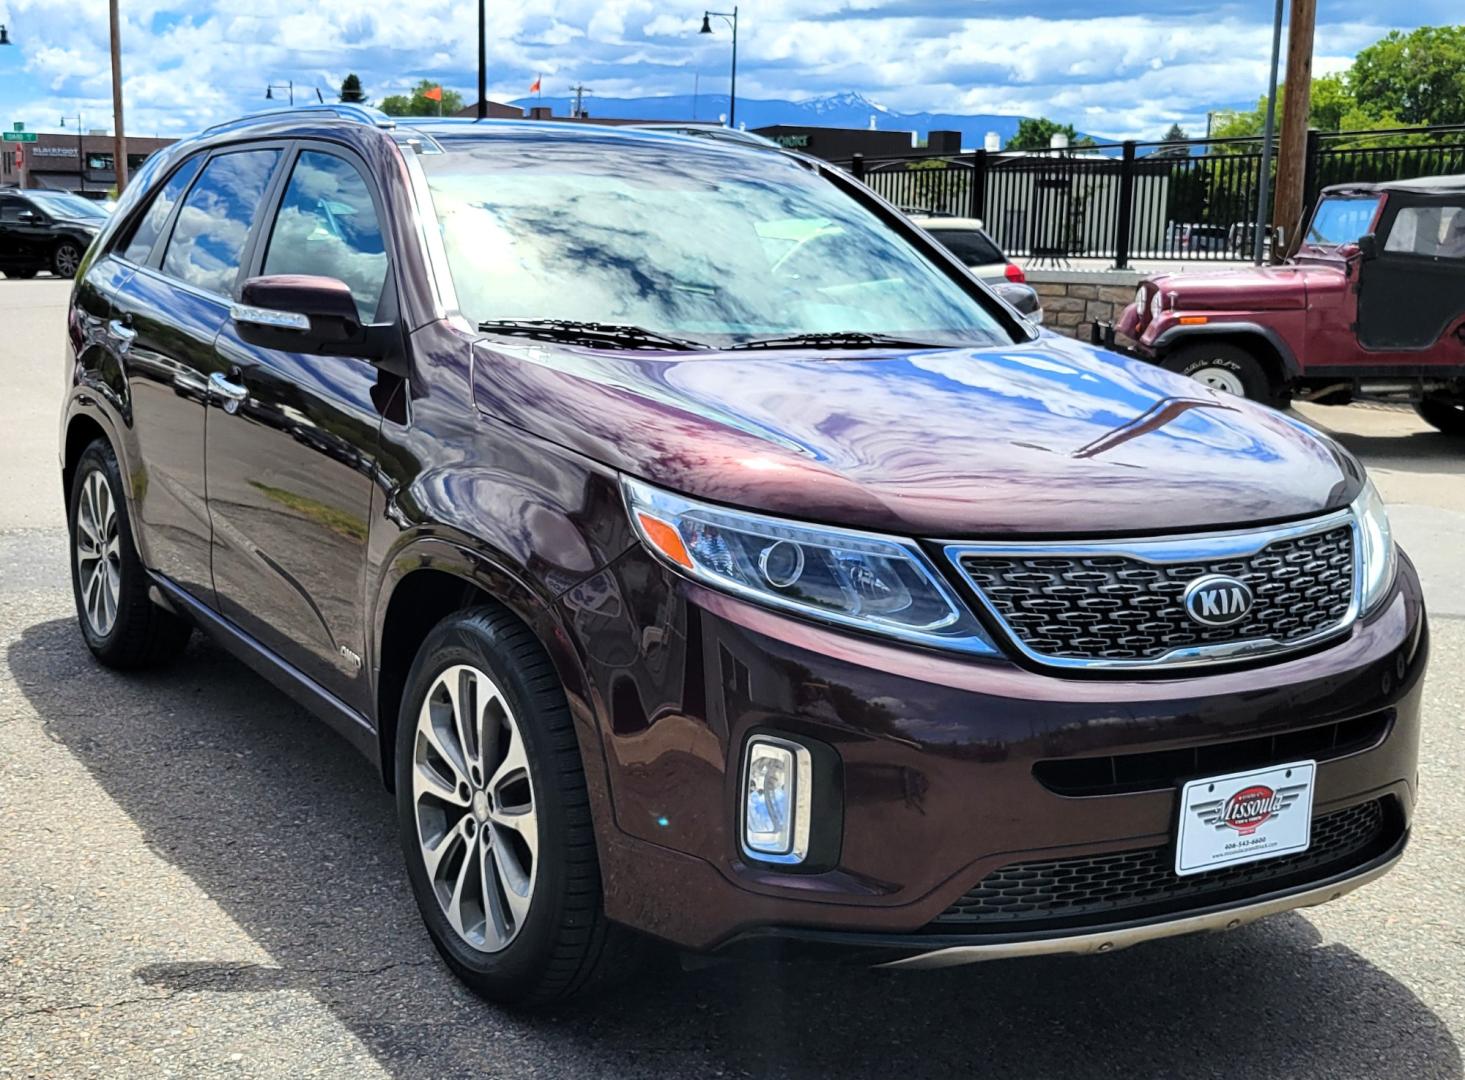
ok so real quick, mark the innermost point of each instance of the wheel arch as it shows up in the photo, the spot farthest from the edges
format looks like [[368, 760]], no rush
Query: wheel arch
[[1268, 346], [431, 578], [82, 429]]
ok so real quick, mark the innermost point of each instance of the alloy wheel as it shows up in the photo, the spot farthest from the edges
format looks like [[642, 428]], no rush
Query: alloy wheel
[[473, 802], [1219, 378], [67, 260], [98, 553]]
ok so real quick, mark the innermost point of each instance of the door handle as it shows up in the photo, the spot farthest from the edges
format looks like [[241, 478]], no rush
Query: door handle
[[231, 392], [120, 331]]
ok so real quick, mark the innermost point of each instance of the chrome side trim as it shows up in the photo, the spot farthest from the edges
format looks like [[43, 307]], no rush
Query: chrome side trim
[[1171, 549], [1099, 941]]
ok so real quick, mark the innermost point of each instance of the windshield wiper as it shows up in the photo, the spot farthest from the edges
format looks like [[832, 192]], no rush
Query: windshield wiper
[[594, 335], [840, 339]]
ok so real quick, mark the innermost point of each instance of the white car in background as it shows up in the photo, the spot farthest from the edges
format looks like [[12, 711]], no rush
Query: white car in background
[[968, 241]]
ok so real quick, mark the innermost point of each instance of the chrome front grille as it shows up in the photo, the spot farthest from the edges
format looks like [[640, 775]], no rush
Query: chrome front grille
[[1120, 603]]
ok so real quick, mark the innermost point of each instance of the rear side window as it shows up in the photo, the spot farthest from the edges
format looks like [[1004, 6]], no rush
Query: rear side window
[[968, 245], [327, 226], [214, 222], [150, 226]]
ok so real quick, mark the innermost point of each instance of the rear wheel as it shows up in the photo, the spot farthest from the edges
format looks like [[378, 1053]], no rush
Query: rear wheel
[[1228, 368], [122, 627], [495, 820], [65, 259], [1448, 416]]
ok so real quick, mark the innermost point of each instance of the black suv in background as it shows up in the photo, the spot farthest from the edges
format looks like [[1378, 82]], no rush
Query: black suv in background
[[703, 554], [45, 230]]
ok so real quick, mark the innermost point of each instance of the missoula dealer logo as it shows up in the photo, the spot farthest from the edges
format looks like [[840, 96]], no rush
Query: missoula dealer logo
[[1251, 808]]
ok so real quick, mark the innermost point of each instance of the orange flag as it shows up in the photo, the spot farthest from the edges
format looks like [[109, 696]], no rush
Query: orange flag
[[433, 94], [534, 86]]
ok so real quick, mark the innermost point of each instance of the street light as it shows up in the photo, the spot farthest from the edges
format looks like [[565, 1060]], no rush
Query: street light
[[80, 150], [4, 35], [731, 18], [272, 87]]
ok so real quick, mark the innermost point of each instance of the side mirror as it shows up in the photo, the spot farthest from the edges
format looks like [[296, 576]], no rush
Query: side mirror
[[1023, 297], [1368, 246], [28, 217], [303, 314]]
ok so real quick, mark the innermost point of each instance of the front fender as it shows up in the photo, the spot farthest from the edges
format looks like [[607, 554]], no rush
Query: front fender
[[1177, 333]]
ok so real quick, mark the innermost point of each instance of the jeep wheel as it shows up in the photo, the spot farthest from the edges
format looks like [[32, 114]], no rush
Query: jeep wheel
[[65, 259], [495, 820], [1447, 416], [1224, 367], [122, 627]]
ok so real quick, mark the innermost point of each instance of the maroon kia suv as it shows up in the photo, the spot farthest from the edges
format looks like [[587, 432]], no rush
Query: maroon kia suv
[[705, 557]]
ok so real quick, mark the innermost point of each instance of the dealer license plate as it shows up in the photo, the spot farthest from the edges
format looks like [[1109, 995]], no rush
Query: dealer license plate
[[1244, 817]]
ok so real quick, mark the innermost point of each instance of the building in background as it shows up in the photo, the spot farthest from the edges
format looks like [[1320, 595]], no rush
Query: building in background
[[61, 161]]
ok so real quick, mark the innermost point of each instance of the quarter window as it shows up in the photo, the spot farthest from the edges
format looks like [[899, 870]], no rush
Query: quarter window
[[150, 226], [214, 222], [327, 227]]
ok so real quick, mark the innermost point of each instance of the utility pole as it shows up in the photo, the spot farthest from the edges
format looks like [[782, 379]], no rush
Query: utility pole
[[1292, 157], [119, 136], [482, 61], [579, 100]]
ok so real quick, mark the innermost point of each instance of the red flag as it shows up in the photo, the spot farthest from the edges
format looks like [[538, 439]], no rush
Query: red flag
[[434, 93], [534, 86]]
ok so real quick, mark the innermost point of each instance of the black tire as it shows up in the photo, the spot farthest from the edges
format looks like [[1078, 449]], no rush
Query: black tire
[[1232, 363], [141, 633], [1447, 416], [65, 259], [22, 274], [565, 946]]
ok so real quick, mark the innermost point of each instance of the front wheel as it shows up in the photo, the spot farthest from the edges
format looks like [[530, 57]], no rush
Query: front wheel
[[495, 820], [65, 259], [1228, 368], [1447, 416]]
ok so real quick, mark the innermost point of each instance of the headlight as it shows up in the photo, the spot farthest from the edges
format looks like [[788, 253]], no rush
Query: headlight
[[874, 583], [1377, 558], [1157, 304]]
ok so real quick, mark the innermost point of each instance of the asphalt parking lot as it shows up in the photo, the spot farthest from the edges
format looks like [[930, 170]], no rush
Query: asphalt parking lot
[[198, 879]]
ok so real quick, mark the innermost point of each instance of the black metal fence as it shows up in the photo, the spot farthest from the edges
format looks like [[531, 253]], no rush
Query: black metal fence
[[1195, 199]]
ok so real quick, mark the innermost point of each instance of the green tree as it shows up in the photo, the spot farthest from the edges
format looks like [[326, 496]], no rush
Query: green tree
[[1174, 140], [351, 89], [419, 104], [1418, 77], [1037, 134]]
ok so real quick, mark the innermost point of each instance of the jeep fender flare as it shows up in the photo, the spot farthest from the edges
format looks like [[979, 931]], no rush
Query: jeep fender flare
[[1177, 335]]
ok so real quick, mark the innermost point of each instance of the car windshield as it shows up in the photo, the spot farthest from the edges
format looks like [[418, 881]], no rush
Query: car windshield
[[698, 241], [1341, 221], [63, 204]]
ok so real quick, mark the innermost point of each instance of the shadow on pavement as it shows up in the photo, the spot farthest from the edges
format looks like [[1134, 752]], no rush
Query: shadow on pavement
[[284, 827]]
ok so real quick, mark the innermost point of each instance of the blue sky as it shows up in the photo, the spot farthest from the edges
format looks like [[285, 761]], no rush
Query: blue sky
[[1122, 68]]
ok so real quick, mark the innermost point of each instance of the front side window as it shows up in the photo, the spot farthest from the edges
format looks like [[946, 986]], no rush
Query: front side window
[[708, 243], [156, 216], [214, 222], [327, 226], [1436, 232], [1341, 221], [11, 209]]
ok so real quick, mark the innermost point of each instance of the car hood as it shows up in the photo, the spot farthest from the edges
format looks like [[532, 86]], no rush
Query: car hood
[[1265, 288], [1053, 437]]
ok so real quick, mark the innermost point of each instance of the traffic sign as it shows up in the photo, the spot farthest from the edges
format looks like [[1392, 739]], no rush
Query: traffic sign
[[17, 136]]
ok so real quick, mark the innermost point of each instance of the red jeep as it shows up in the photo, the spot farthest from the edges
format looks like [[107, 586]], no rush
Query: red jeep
[[1373, 304]]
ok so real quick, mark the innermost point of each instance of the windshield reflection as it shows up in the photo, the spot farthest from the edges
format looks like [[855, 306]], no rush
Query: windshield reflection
[[698, 241]]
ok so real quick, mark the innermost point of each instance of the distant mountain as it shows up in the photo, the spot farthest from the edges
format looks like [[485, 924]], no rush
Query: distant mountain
[[850, 110]]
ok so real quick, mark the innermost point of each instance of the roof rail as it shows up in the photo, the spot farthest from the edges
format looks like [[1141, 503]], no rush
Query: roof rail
[[344, 110]]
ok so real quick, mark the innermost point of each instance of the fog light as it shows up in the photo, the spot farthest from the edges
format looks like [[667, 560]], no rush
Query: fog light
[[777, 796]]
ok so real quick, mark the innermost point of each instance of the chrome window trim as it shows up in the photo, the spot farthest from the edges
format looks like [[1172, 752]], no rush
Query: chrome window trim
[[1200, 547]]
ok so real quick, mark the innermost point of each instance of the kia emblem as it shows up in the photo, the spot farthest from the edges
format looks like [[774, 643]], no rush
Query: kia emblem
[[1217, 600]]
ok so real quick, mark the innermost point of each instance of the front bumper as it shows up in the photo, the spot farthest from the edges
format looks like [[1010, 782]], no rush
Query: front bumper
[[938, 781]]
